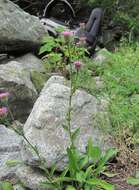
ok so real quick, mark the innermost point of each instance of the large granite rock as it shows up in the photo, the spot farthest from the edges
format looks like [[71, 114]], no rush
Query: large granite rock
[[9, 150], [19, 31], [44, 128]]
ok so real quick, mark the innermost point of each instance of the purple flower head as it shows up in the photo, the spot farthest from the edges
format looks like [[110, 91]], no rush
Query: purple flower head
[[3, 111], [78, 64], [4, 95], [67, 35]]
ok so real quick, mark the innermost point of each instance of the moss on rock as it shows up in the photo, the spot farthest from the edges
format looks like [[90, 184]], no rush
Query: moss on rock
[[39, 79]]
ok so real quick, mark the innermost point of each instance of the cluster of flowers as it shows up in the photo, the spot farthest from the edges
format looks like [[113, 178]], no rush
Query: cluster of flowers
[[3, 103], [67, 35]]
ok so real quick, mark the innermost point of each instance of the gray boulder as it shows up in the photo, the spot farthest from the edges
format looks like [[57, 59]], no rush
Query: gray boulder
[[9, 150], [15, 79], [44, 128], [34, 66], [30, 62], [19, 31]]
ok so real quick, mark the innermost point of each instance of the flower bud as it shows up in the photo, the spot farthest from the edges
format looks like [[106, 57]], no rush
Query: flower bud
[[78, 64], [3, 111], [67, 35], [4, 95]]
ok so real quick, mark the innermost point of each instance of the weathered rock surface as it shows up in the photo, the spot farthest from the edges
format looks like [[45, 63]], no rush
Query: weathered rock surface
[[44, 125], [30, 62], [19, 31], [102, 56], [16, 78], [30, 178], [18, 187], [55, 79], [9, 150]]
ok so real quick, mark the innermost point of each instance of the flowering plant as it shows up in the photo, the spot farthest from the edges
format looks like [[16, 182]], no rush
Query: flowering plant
[[55, 52], [79, 173], [78, 64]]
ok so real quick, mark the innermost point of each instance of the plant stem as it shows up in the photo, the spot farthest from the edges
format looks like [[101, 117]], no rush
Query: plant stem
[[70, 99]]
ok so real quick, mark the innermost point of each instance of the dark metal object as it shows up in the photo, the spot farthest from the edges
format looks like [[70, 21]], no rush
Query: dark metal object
[[53, 3], [59, 9]]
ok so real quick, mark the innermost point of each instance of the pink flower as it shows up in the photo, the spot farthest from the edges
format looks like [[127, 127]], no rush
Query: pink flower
[[67, 35], [4, 95], [3, 111], [78, 64]]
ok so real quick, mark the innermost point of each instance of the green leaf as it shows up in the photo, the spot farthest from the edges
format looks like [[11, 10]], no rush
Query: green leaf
[[83, 161], [48, 44], [88, 171], [47, 39], [73, 160], [46, 184], [63, 174], [75, 134], [93, 151], [101, 183], [6, 186], [80, 176], [89, 147], [96, 154], [70, 188], [87, 187], [62, 179], [108, 174], [109, 154], [133, 181], [12, 163], [60, 29], [45, 48], [55, 57], [53, 169]]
